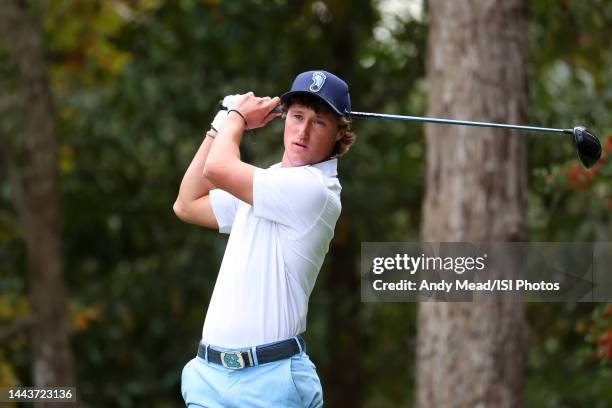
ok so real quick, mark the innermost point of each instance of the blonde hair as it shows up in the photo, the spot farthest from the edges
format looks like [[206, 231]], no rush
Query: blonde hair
[[317, 105]]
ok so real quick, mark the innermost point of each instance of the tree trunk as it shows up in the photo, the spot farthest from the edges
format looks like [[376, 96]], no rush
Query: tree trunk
[[39, 212], [343, 377], [476, 190]]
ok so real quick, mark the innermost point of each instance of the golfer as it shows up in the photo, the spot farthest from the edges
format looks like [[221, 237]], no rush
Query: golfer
[[280, 221]]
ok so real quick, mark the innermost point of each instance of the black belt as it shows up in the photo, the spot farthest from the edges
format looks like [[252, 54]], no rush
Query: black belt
[[236, 360]]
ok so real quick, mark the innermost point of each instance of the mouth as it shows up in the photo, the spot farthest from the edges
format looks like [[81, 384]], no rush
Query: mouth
[[299, 145]]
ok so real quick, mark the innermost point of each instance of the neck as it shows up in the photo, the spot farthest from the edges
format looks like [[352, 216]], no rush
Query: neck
[[286, 163]]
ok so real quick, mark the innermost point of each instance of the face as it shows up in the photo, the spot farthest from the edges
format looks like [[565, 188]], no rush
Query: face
[[309, 136]]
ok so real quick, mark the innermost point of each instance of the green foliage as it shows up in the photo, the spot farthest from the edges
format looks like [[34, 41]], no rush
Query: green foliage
[[564, 368], [570, 84]]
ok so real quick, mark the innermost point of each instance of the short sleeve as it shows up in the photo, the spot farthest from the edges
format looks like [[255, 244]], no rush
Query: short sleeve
[[224, 206], [294, 197]]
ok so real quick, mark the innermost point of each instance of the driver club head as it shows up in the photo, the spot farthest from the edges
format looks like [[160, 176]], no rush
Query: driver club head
[[587, 146]]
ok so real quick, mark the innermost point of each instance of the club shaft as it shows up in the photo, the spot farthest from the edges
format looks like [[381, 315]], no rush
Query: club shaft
[[384, 116]]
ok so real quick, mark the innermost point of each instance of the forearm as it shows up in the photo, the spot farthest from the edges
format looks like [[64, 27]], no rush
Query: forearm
[[194, 184], [226, 148]]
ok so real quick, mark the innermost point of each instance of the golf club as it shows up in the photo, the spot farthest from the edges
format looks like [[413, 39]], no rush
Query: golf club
[[585, 142]]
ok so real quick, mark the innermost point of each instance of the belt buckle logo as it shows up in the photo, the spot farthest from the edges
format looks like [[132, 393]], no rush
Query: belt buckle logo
[[232, 360]]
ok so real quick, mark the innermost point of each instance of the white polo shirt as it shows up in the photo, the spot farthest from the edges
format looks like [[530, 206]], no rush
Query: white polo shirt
[[274, 253]]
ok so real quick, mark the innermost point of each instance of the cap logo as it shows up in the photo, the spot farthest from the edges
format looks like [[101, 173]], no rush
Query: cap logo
[[318, 79]]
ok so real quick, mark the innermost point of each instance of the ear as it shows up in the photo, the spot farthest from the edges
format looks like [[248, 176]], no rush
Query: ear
[[340, 134]]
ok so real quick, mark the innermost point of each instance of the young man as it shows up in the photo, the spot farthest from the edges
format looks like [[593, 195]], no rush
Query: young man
[[281, 221]]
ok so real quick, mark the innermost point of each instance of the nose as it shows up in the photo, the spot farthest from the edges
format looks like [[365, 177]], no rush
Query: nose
[[304, 129]]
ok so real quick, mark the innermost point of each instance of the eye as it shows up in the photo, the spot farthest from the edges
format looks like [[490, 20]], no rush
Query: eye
[[298, 116], [321, 122]]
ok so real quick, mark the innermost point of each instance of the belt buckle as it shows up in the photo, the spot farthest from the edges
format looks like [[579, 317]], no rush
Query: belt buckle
[[232, 360]]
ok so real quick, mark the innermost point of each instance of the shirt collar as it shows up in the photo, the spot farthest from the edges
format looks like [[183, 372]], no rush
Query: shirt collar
[[327, 167]]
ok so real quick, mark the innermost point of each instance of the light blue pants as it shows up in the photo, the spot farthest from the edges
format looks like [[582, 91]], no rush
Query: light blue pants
[[292, 382]]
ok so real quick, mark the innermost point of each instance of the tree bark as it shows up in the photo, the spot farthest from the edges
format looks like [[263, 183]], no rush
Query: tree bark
[[343, 378], [476, 190], [39, 212]]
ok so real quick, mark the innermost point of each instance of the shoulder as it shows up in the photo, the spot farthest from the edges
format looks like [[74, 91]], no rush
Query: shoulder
[[305, 186], [297, 180], [295, 196]]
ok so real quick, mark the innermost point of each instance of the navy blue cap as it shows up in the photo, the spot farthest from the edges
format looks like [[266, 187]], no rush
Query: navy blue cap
[[325, 85]]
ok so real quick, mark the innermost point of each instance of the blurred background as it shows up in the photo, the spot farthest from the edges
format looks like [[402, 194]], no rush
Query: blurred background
[[133, 86]]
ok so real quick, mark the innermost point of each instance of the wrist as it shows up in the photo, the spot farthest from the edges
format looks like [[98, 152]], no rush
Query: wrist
[[235, 114], [234, 125], [233, 129]]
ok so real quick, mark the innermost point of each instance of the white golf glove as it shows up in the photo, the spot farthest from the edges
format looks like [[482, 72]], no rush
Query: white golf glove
[[229, 102]]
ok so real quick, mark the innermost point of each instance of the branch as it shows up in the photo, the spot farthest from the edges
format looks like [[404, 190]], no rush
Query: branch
[[16, 328]]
